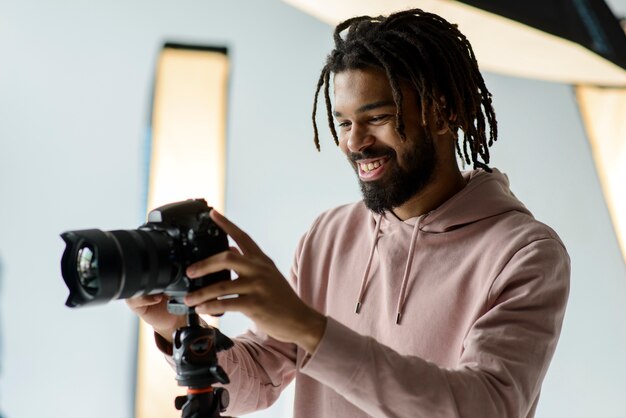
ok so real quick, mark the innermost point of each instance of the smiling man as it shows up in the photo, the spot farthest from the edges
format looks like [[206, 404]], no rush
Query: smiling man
[[438, 294], [395, 173]]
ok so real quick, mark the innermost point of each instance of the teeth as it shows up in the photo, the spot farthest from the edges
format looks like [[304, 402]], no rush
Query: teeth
[[370, 166]]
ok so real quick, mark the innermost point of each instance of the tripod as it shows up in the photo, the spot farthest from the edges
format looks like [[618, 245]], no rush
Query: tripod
[[195, 355]]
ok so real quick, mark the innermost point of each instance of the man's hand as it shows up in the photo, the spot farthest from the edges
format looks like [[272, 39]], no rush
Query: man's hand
[[260, 292], [153, 310]]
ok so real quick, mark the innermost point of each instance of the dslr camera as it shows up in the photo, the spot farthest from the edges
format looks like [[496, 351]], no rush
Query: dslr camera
[[99, 266]]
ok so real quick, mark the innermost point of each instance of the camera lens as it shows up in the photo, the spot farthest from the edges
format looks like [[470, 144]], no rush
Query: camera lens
[[99, 266], [87, 269]]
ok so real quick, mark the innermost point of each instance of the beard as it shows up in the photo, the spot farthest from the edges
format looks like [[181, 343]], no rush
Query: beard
[[402, 182]]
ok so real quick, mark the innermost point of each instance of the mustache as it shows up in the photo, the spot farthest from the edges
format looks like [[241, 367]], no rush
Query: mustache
[[355, 156]]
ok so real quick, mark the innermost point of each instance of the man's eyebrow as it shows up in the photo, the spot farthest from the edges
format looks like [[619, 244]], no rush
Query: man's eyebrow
[[370, 106]]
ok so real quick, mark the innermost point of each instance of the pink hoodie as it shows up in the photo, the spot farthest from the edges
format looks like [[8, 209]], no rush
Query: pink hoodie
[[460, 313]]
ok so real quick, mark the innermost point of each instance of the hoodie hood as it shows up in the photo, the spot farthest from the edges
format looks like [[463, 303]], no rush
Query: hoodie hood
[[486, 195]]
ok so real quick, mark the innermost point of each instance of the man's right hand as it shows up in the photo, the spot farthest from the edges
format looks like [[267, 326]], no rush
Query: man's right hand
[[153, 310]]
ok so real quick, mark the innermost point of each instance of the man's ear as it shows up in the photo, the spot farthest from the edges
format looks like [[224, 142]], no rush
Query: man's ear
[[445, 119], [442, 126]]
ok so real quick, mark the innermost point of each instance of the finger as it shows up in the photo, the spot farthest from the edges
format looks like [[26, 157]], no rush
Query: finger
[[219, 306], [227, 260], [142, 301], [243, 240], [239, 287]]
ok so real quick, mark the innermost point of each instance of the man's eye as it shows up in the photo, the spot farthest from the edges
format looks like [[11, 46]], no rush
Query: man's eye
[[344, 124], [379, 118]]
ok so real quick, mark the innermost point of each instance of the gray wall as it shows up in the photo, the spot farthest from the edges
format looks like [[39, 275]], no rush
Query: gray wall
[[75, 80]]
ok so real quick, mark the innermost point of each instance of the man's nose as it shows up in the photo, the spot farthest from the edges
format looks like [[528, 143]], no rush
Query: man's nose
[[360, 138]]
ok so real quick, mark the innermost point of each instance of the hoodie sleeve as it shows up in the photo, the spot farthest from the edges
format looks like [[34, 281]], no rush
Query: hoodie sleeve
[[505, 355], [259, 368]]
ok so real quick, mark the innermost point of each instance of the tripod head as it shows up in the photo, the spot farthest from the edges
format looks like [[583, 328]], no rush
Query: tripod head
[[195, 351]]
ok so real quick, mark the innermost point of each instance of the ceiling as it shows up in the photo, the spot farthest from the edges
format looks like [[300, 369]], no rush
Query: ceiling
[[504, 45]]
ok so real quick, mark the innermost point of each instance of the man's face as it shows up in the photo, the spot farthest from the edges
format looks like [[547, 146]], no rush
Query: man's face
[[390, 170]]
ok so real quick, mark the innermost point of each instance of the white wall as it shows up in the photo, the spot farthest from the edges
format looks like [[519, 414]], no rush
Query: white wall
[[546, 155], [75, 79]]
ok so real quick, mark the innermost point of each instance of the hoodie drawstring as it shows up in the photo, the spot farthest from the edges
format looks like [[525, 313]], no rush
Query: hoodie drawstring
[[368, 265], [405, 277], [407, 271]]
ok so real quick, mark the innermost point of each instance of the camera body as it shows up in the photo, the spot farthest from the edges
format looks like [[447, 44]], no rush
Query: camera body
[[99, 266]]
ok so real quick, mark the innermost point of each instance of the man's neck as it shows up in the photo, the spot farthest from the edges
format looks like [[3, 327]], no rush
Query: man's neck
[[443, 186]]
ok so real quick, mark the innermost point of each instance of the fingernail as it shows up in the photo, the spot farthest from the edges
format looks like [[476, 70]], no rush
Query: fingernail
[[191, 271]]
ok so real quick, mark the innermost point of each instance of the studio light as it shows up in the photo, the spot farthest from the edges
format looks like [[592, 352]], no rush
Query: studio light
[[187, 153], [573, 41]]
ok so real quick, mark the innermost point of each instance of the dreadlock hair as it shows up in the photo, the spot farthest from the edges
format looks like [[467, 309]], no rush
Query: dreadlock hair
[[434, 57]]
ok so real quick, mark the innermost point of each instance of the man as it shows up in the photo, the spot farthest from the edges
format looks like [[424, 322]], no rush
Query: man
[[438, 295]]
